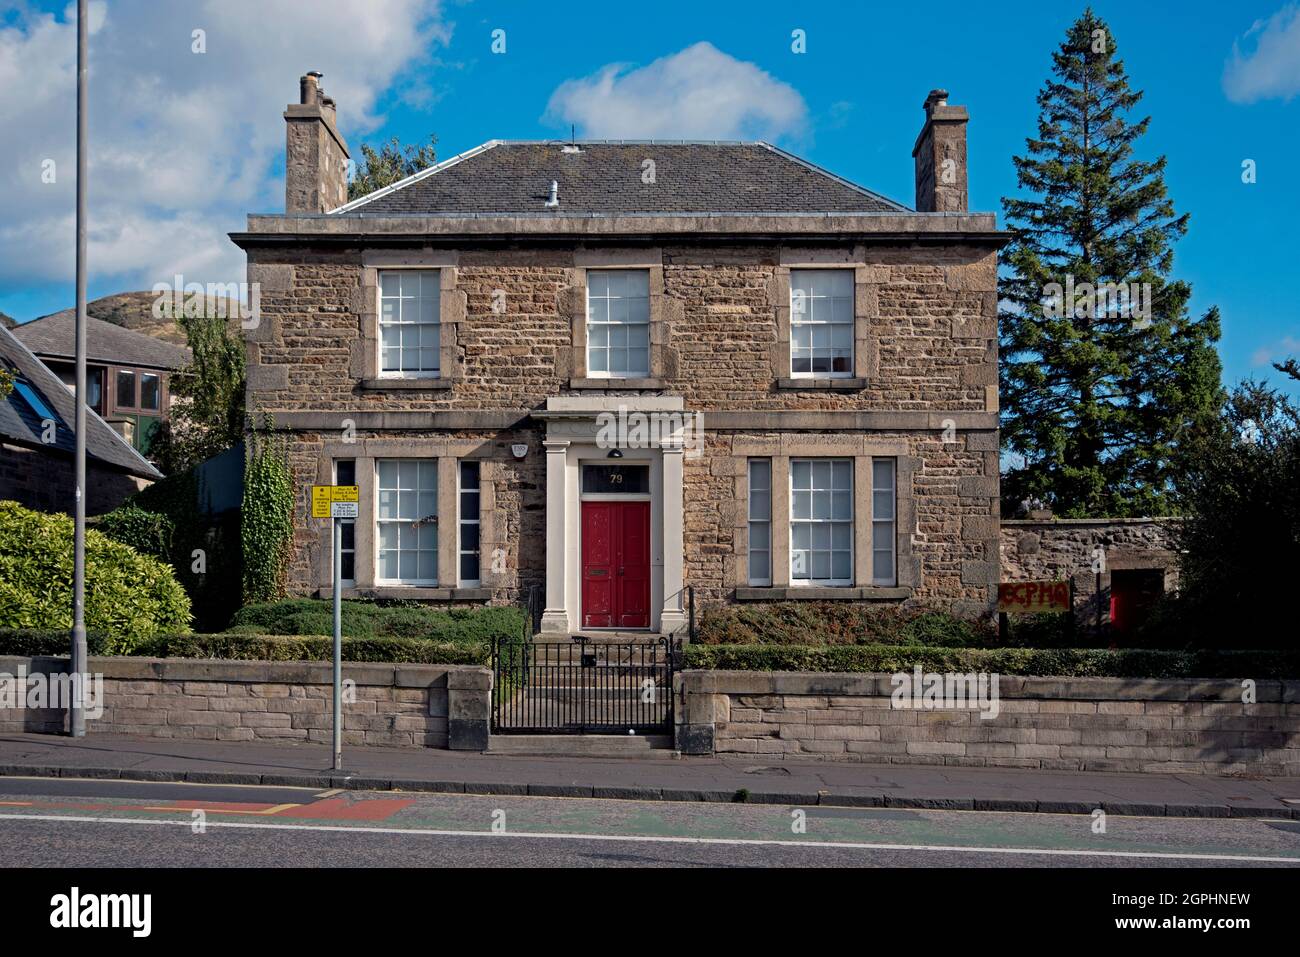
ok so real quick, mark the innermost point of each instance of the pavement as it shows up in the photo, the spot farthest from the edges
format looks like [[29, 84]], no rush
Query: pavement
[[740, 779]]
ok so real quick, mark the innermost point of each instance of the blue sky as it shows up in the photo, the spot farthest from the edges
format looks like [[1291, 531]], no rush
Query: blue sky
[[1221, 84]]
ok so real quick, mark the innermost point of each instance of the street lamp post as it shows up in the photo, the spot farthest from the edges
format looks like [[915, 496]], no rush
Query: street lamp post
[[77, 717]]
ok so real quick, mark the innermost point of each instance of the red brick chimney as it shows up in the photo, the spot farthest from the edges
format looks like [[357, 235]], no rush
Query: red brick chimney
[[316, 155], [940, 154]]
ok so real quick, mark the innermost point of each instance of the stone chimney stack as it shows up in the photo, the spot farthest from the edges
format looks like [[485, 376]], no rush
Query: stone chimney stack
[[316, 155], [940, 154]]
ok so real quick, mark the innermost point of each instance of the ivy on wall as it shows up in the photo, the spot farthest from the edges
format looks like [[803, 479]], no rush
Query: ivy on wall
[[266, 528]]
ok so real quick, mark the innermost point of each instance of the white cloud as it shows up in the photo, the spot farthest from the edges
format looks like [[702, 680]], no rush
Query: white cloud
[[1271, 68], [1285, 348], [697, 93], [182, 145]]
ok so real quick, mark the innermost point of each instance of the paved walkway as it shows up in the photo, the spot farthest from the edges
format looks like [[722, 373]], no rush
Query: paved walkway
[[652, 778]]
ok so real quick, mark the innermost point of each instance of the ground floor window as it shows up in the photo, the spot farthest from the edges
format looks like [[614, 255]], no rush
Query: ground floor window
[[469, 523], [760, 522], [345, 473], [884, 518], [406, 523], [821, 521]]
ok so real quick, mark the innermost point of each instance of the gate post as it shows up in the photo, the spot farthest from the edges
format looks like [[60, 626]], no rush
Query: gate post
[[469, 705]]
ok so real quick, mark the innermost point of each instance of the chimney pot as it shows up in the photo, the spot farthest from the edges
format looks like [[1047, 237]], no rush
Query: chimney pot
[[309, 88]]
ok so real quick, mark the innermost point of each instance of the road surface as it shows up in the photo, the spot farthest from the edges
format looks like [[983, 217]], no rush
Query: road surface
[[58, 822]]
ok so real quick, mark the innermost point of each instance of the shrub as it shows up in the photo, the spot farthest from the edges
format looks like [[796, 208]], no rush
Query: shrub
[[149, 533], [1055, 662], [36, 642], [129, 596], [361, 619], [837, 623]]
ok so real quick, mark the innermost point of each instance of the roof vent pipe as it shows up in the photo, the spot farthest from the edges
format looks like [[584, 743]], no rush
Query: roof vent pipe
[[555, 195]]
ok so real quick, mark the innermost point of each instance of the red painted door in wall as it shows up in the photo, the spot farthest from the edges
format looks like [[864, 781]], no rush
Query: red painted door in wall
[[616, 564]]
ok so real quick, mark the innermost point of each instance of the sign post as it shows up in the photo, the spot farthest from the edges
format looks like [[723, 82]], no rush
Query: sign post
[[335, 502]]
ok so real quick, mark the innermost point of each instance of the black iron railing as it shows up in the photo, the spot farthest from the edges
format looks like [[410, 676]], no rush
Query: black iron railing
[[583, 686]]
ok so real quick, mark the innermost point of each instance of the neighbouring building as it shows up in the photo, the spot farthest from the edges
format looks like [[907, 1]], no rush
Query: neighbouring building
[[37, 441], [127, 372], [508, 352], [1118, 568]]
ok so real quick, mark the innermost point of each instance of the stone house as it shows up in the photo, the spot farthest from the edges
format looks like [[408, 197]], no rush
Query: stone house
[[622, 370]]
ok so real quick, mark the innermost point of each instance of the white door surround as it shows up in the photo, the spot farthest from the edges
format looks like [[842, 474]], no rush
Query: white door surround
[[573, 426]]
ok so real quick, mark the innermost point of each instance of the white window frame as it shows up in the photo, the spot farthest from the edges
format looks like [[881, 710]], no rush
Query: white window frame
[[431, 464], [343, 550], [462, 520], [753, 520], [805, 312], [884, 529], [845, 467], [425, 274], [610, 324]]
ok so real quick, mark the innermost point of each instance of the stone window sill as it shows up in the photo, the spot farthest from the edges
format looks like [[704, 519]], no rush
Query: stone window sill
[[389, 385], [818, 384], [401, 591], [813, 593], [607, 384]]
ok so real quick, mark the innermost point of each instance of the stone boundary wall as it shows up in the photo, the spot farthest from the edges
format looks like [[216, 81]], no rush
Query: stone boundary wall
[[1063, 548], [1074, 724], [397, 705]]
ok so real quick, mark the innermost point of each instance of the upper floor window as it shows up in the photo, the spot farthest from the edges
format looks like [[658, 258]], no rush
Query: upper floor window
[[821, 323], [125, 389], [409, 310], [618, 323], [149, 391]]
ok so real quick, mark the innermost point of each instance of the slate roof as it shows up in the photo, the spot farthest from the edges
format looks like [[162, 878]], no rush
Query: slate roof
[[53, 336], [21, 424], [605, 178]]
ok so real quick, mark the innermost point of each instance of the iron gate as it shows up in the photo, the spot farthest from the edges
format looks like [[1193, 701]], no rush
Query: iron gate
[[583, 686]]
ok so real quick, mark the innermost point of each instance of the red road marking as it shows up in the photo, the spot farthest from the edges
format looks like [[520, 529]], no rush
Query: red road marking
[[341, 809]]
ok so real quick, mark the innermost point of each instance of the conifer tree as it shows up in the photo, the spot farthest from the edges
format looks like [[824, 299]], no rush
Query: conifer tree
[[1104, 375]]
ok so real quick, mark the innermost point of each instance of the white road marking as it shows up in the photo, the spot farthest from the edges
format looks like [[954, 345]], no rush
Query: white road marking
[[657, 839]]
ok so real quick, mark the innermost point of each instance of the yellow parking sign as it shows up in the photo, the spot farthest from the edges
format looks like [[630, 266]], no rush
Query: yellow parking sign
[[324, 497]]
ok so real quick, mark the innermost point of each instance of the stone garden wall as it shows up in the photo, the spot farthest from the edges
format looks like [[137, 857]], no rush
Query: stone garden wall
[[404, 705], [1075, 724]]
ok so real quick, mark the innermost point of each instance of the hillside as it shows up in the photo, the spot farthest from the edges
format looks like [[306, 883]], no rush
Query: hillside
[[134, 310]]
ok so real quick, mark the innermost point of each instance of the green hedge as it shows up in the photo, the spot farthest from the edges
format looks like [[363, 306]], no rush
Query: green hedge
[[241, 647], [128, 595], [839, 623], [306, 616], [1048, 662]]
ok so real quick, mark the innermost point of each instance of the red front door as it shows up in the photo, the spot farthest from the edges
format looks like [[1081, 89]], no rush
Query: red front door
[[615, 564]]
